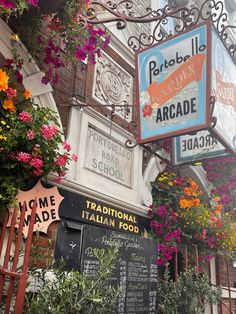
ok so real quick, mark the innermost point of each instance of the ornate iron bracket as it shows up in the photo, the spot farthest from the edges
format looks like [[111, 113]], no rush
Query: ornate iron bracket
[[133, 143], [123, 12]]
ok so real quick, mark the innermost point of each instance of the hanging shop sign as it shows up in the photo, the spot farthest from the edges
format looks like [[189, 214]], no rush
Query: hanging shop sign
[[173, 85], [224, 88], [48, 202], [193, 148], [108, 157]]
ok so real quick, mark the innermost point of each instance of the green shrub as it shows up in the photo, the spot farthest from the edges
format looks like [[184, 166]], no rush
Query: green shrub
[[75, 292], [188, 295]]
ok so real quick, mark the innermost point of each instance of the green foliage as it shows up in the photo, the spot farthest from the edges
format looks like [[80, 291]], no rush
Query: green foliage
[[75, 292], [188, 295]]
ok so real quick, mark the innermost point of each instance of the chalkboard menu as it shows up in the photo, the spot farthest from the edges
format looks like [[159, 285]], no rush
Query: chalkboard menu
[[136, 270]]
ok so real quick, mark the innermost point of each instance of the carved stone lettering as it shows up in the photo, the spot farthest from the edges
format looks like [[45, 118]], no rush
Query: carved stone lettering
[[108, 157]]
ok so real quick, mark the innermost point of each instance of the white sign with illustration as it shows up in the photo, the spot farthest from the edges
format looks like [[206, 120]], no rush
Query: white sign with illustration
[[224, 88]]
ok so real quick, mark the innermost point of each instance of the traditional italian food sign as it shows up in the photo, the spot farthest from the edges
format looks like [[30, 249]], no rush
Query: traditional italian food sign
[[224, 88], [172, 80], [48, 202], [193, 148]]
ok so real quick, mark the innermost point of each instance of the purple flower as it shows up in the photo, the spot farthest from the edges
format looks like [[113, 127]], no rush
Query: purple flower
[[80, 54]]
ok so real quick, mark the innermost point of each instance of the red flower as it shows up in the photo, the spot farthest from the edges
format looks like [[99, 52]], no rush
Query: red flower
[[147, 110]]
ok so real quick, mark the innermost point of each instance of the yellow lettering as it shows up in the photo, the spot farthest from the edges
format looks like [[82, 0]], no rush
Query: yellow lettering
[[126, 216], [99, 209], [105, 210], [93, 206], [92, 217], [88, 202]]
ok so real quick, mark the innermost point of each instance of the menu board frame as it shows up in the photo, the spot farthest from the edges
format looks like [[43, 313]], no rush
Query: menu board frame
[[136, 273]]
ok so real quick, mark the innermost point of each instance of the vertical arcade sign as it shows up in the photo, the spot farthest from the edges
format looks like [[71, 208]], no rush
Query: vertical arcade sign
[[224, 88], [173, 85]]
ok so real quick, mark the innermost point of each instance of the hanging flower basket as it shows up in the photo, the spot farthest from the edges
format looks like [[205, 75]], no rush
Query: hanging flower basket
[[31, 142]]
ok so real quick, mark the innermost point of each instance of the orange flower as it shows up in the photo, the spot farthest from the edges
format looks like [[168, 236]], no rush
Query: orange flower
[[196, 202], [27, 94], [8, 105], [193, 184], [187, 191], [3, 80], [216, 199], [190, 203], [219, 207], [183, 203]]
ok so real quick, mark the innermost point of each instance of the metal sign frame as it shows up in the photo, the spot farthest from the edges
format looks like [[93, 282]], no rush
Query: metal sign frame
[[203, 119]]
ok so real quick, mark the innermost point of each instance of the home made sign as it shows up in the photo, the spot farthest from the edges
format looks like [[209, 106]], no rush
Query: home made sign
[[172, 80], [48, 201]]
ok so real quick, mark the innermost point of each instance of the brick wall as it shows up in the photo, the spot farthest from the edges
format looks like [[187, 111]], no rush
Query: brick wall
[[42, 249]]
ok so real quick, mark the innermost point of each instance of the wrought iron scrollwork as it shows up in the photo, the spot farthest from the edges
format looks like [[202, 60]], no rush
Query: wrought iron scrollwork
[[132, 143], [123, 12]]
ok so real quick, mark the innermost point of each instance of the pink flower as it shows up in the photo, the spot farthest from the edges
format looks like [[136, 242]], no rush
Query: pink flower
[[37, 163], [25, 116], [80, 54], [62, 160], [167, 255], [23, 157], [34, 3], [48, 131], [63, 173], [160, 261], [150, 213], [74, 157], [179, 180], [38, 172], [59, 178], [11, 92], [161, 211], [161, 247], [7, 4], [30, 134], [211, 241], [66, 146]]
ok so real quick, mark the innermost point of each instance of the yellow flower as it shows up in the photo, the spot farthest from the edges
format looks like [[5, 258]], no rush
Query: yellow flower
[[170, 183], [3, 80], [27, 94], [3, 122], [8, 105], [2, 137]]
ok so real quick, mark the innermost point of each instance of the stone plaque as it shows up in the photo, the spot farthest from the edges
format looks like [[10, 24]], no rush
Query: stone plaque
[[108, 157], [114, 86]]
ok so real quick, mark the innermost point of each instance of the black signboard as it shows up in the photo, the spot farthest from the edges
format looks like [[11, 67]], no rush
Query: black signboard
[[91, 211], [135, 273]]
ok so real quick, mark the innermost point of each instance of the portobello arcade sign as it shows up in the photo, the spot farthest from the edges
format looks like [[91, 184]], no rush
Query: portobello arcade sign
[[173, 79], [193, 148]]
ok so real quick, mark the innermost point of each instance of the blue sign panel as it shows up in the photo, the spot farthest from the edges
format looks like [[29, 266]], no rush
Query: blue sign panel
[[172, 80]]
